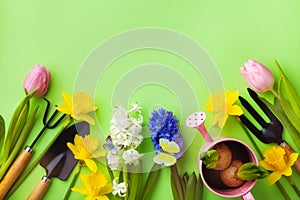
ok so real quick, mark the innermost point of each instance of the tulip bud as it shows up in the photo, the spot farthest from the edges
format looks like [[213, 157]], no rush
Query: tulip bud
[[258, 77], [37, 79]]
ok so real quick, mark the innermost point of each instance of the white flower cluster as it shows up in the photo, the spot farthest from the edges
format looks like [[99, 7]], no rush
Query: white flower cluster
[[119, 189], [125, 128]]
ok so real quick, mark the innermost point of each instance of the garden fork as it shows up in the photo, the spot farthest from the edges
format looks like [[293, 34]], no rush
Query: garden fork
[[271, 132], [21, 161]]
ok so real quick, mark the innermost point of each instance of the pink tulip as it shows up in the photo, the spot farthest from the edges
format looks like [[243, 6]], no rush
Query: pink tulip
[[258, 77], [38, 78]]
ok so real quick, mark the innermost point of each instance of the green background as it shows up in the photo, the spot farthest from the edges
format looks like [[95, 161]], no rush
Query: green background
[[61, 35]]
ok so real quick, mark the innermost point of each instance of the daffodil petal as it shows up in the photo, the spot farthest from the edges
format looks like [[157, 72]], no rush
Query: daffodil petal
[[85, 117], [273, 177], [108, 188], [235, 110], [209, 106], [231, 97], [72, 148], [99, 154], [267, 166], [292, 159], [90, 143], [91, 164], [80, 190], [287, 172]]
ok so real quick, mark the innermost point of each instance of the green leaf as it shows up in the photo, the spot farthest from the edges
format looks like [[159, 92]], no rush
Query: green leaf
[[151, 179], [191, 187], [135, 181], [199, 188], [2, 131], [17, 123], [290, 90], [288, 110], [210, 158], [20, 142], [249, 171], [174, 189], [278, 111], [184, 181], [177, 181]]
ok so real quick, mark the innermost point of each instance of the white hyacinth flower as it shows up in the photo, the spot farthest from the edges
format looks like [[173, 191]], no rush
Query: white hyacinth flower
[[131, 156], [125, 130], [113, 161], [119, 189]]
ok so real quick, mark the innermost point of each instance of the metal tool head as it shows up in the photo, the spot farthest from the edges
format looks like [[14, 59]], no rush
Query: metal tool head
[[54, 167], [196, 119], [271, 132], [60, 146]]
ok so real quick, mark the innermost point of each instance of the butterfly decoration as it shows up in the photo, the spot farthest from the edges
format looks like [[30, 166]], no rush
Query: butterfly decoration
[[167, 157], [111, 147]]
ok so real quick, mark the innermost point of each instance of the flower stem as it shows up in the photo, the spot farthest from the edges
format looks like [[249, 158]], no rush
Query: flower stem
[[177, 181], [275, 94], [126, 180], [293, 185], [79, 166]]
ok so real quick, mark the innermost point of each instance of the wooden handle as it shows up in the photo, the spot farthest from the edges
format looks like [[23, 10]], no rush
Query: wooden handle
[[39, 190], [289, 150], [14, 171]]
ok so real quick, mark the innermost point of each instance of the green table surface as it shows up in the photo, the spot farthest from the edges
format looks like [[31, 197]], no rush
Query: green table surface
[[64, 35]]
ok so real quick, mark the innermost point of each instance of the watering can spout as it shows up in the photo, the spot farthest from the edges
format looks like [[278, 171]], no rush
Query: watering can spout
[[196, 120]]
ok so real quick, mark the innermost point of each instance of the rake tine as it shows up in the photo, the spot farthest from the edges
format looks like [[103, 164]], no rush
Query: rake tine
[[251, 127], [57, 122], [46, 111], [47, 122], [263, 106], [253, 112]]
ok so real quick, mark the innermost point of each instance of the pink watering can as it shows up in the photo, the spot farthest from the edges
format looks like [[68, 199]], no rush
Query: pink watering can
[[211, 178]]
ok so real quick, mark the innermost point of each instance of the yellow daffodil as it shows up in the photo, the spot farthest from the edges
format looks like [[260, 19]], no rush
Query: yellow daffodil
[[223, 106], [85, 149], [78, 107], [95, 186], [278, 162]]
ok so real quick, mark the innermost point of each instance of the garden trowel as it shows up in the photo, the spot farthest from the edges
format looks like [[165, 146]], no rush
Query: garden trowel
[[58, 161]]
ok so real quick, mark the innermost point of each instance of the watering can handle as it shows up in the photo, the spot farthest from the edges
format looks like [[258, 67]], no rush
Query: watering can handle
[[248, 196]]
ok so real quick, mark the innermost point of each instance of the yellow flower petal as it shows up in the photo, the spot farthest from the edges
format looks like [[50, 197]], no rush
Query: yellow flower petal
[[273, 177], [231, 97], [95, 186], [235, 110], [84, 117], [108, 188], [287, 172], [267, 166], [79, 107], [72, 148], [222, 106], [83, 103], [292, 159], [91, 164], [80, 190], [98, 154]]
